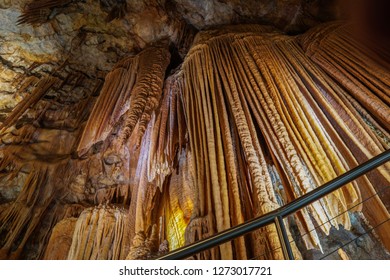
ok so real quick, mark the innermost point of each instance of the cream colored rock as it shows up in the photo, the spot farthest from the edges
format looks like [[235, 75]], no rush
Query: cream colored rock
[[99, 234]]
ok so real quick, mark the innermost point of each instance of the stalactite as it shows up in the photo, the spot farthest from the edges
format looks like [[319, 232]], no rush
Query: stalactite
[[327, 138], [43, 86], [363, 136], [134, 85], [203, 61], [140, 187], [269, 86], [111, 103], [38, 11], [356, 68], [168, 134], [147, 90], [19, 221], [294, 165], [99, 235], [163, 187]]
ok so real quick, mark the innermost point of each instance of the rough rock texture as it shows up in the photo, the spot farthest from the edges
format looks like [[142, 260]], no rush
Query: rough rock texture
[[127, 132], [288, 15]]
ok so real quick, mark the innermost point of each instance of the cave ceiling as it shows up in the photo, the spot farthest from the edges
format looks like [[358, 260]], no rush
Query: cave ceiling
[[103, 31]]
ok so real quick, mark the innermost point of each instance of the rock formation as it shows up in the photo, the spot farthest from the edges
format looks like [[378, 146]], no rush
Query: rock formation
[[127, 132]]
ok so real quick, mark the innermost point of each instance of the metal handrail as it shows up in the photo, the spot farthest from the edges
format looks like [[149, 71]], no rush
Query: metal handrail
[[278, 214]]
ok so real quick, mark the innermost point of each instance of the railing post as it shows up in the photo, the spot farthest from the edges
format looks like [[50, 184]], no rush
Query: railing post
[[283, 238]]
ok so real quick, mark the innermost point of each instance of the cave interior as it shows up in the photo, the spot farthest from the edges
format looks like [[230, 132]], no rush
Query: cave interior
[[131, 128]]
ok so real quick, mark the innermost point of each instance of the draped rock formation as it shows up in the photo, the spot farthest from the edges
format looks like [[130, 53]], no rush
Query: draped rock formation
[[182, 138], [257, 86], [358, 69], [99, 235], [134, 85]]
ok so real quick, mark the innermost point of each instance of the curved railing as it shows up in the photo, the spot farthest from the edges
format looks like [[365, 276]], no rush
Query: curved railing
[[278, 215]]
